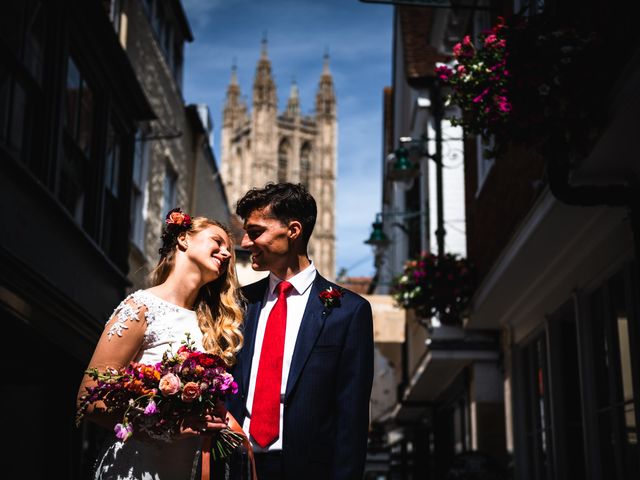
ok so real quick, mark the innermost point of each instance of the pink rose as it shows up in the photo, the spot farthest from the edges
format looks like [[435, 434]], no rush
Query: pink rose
[[490, 39], [169, 384], [190, 392], [444, 72]]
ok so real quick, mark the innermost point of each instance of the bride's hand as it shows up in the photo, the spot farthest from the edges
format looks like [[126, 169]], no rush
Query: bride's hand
[[197, 426]]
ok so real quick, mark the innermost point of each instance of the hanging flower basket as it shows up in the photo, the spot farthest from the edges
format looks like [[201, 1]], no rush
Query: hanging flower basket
[[435, 287], [528, 81]]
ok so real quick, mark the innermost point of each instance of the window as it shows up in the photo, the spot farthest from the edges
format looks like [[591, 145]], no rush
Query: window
[[169, 40], [283, 160], [79, 111], [169, 191], [305, 165], [616, 399], [176, 66], [139, 190], [484, 163], [567, 400], [482, 19], [114, 8], [22, 40], [529, 7], [536, 422], [76, 165], [112, 189]]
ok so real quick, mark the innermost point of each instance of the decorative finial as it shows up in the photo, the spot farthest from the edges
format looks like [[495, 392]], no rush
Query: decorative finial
[[234, 71], [264, 44], [294, 88]]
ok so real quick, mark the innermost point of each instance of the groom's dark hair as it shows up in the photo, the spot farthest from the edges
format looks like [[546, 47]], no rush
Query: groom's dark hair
[[287, 202]]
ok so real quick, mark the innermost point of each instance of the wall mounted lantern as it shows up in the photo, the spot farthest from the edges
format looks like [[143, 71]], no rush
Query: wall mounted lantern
[[378, 239]]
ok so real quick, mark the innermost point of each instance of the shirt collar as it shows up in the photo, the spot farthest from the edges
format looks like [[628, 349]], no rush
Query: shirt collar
[[300, 281]]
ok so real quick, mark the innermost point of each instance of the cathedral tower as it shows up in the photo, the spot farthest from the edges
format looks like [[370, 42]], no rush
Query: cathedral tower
[[264, 146]]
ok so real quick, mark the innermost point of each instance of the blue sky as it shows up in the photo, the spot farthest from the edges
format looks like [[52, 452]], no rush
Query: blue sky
[[358, 38]]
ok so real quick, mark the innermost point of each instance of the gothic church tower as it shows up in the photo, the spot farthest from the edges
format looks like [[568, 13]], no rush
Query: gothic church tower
[[264, 146]]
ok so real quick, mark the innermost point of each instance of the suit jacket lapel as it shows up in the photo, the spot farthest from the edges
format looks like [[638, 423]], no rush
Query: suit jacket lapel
[[252, 315], [312, 322]]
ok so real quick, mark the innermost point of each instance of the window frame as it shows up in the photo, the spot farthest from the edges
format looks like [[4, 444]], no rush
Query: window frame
[[588, 322], [139, 190]]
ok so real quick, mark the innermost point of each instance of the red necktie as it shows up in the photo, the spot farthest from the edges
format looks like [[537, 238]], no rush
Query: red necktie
[[265, 411]]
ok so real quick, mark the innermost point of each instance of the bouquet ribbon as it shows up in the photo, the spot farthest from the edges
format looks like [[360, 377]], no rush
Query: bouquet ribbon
[[206, 450]]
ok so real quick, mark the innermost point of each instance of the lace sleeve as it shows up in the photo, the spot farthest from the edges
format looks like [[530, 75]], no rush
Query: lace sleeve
[[127, 311]]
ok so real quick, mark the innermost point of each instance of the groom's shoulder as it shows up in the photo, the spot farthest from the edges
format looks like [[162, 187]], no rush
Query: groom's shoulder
[[348, 296]]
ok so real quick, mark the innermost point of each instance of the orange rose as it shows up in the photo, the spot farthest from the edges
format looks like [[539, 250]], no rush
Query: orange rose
[[176, 217], [190, 392]]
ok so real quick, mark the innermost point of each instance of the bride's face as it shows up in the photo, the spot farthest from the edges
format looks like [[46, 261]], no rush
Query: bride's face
[[208, 250]]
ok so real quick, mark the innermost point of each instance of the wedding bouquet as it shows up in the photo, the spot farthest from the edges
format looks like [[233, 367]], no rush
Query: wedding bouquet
[[155, 399]]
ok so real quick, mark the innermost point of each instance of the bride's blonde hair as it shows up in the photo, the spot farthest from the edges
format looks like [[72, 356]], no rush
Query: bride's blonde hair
[[217, 304]]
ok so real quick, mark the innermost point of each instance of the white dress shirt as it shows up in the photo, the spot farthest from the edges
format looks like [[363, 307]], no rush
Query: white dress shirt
[[296, 304]]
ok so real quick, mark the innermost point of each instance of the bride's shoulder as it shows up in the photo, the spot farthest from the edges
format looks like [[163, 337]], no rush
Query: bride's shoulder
[[133, 308]]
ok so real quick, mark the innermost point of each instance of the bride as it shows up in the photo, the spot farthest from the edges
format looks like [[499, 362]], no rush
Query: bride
[[194, 291]]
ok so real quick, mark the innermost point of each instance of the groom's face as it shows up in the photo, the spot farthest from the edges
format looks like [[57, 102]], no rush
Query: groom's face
[[267, 238]]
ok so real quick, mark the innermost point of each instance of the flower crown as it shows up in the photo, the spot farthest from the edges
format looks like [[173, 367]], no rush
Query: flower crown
[[176, 222]]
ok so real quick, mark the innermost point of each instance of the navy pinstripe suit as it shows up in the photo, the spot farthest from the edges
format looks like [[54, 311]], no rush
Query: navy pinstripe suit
[[326, 404]]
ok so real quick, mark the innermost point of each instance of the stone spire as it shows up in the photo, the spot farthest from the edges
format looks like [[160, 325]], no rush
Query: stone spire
[[326, 96], [264, 89], [233, 104], [293, 104]]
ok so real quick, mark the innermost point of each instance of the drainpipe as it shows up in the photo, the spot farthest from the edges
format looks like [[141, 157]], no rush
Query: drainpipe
[[559, 176]]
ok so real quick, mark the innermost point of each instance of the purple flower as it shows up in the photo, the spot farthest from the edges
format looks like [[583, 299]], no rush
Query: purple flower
[[226, 382], [123, 431], [151, 408]]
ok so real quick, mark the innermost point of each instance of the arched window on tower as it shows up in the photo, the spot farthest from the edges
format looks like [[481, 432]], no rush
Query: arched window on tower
[[305, 164], [284, 151]]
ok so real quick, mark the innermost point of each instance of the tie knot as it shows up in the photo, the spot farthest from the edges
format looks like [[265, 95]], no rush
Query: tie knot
[[284, 288]]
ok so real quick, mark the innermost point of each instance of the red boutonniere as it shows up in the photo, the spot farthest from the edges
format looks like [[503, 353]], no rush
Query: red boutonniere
[[331, 297]]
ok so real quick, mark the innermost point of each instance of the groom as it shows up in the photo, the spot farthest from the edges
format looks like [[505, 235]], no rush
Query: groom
[[306, 368]]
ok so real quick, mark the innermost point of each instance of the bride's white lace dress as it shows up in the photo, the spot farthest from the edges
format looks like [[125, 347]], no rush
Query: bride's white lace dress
[[167, 325]]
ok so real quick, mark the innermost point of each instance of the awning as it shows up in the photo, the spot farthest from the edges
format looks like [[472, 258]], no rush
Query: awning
[[439, 368]]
